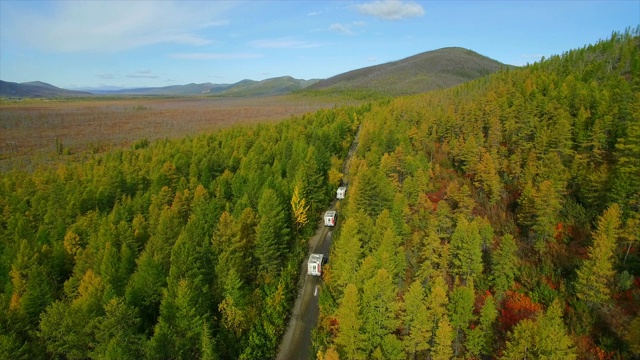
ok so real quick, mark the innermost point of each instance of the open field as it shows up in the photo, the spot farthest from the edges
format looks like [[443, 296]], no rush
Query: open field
[[34, 127]]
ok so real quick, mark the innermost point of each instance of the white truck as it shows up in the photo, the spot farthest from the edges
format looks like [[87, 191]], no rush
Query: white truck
[[330, 218], [314, 265], [341, 192]]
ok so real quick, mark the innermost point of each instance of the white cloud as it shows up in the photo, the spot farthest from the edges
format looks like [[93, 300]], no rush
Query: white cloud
[[215, 56], [112, 26], [344, 29], [391, 9], [283, 43]]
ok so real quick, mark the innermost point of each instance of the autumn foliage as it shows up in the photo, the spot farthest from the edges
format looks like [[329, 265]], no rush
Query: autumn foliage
[[522, 185], [516, 307]]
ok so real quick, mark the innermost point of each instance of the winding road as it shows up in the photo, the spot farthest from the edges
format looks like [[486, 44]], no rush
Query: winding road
[[296, 342]]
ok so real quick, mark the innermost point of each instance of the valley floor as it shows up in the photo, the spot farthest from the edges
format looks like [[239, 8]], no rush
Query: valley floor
[[45, 127]]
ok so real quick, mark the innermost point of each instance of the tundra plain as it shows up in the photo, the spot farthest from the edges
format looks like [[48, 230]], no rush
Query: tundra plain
[[41, 127]]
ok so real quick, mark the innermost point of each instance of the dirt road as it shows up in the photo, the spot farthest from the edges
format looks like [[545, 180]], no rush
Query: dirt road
[[296, 343]]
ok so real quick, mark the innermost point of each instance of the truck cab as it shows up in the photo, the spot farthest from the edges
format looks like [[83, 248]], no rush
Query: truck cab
[[330, 218], [315, 263]]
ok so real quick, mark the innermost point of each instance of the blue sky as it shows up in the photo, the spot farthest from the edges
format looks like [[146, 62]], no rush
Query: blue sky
[[79, 44]]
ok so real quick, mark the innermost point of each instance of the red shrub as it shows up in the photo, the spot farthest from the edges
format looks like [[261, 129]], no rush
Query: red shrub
[[515, 307]]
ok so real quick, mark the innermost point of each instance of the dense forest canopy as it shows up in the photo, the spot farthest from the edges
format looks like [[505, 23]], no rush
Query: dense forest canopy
[[172, 249], [497, 219]]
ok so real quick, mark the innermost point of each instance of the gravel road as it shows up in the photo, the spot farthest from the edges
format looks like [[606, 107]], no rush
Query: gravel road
[[296, 343]]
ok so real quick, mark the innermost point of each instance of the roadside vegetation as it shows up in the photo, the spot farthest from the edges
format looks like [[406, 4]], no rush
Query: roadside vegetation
[[497, 219]]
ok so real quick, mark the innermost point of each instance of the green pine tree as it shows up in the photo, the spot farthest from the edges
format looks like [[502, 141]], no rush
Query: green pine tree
[[595, 275], [350, 338], [504, 264], [466, 250], [442, 349], [416, 321], [379, 307]]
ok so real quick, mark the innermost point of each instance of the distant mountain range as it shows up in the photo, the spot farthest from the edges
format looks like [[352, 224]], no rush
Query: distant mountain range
[[273, 86], [419, 73], [36, 89]]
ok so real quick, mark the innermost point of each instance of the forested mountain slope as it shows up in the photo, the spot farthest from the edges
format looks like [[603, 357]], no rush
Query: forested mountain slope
[[497, 219], [273, 86], [431, 70], [185, 249]]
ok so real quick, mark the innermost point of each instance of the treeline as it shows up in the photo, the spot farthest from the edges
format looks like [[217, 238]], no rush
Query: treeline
[[186, 249], [498, 219]]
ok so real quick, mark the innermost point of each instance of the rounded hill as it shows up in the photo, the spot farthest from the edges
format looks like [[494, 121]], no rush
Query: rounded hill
[[431, 70]]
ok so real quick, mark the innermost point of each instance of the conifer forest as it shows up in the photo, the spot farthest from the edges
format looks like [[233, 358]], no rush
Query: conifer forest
[[498, 219]]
